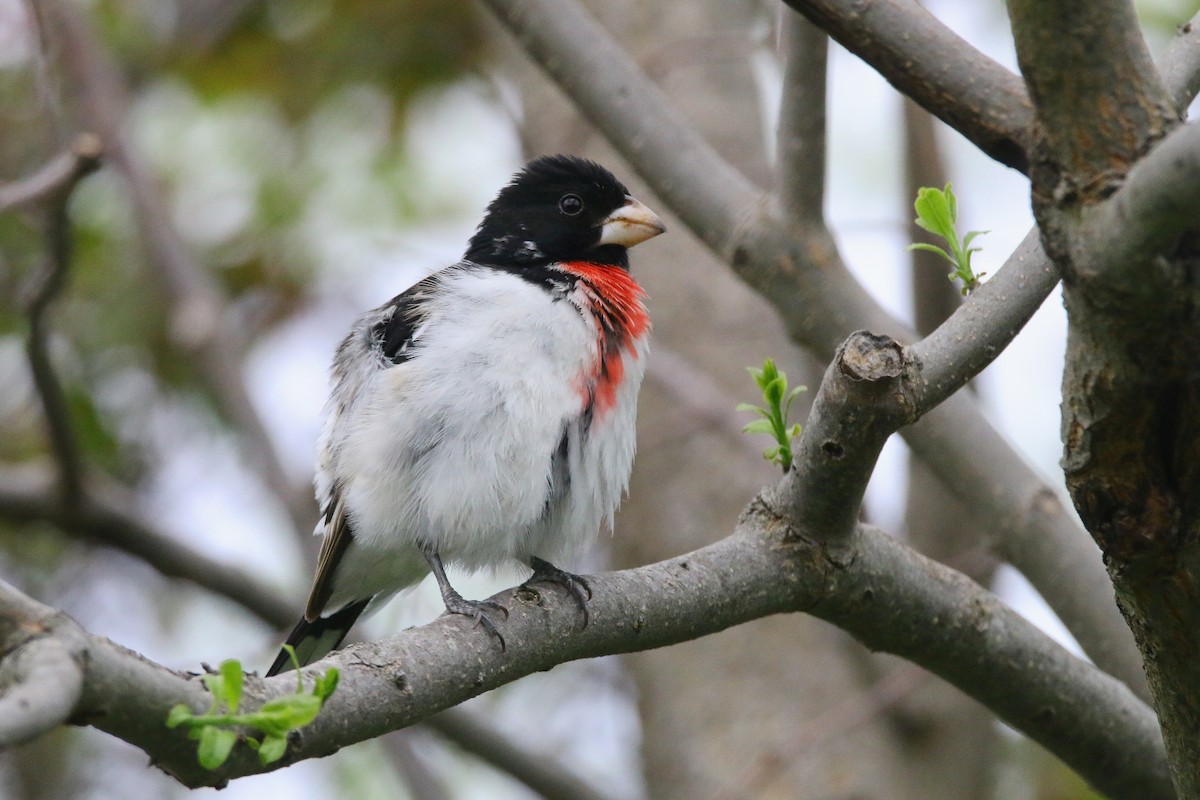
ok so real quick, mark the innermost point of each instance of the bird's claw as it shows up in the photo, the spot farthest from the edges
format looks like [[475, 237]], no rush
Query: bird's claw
[[475, 609], [576, 585]]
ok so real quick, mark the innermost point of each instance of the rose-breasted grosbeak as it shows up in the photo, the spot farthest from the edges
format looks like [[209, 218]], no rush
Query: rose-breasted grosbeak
[[487, 413]]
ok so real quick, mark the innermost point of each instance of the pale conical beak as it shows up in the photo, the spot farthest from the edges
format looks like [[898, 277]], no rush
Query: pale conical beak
[[630, 224]]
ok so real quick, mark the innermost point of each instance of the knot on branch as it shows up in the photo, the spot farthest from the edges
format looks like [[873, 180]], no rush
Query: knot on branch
[[866, 356]]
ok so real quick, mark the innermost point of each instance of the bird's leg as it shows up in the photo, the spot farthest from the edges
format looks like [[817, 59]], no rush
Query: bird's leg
[[456, 604], [576, 585]]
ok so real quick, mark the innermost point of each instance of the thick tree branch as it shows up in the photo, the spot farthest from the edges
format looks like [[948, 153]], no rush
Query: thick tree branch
[[40, 685], [801, 137], [930, 63], [1145, 218], [1121, 227], [1081, 157], [890, 597], [799, 271]]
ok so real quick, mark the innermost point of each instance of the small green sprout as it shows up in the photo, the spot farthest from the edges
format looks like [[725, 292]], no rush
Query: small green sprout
[[937, 212], [277, 718], [773, 385]]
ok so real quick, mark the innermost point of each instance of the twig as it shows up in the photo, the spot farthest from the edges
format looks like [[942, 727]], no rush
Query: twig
[[418, 778], [105, 517], [198, 310], [55, 183], [839, 720], [931, 64], [540, 772], [801, 139], [58, 174]]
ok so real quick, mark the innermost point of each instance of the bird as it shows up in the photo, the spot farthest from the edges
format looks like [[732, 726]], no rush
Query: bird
[[487, 413]]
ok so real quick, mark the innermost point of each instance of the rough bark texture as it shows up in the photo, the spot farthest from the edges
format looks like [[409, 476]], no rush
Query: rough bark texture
[[1129, 263]]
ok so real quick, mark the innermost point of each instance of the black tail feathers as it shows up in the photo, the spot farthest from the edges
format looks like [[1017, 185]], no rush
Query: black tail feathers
[[314, 640]]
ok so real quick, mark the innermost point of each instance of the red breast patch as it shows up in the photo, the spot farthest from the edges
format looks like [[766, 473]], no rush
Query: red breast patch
[[620, 317]]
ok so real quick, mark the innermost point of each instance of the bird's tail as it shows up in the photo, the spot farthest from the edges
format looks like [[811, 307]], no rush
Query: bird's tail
[[314, 640]]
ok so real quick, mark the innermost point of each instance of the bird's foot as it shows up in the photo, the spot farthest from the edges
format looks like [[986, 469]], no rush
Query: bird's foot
[[576, 585], [476, 610]]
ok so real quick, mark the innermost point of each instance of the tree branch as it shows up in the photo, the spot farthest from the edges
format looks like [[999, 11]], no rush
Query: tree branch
[[105, 519], [200, 319], [801, 138], [55, 183], [1180, 64], [102, 517], [731, 217], [1145, 218], [1083, 156], [890, 597], [540, 772], [931, 64], [40, 685]]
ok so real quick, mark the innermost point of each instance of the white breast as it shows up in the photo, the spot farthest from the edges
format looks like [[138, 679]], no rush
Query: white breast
[[456, 446]]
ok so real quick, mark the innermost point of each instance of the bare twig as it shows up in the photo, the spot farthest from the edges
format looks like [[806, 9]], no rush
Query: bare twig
[[540, 772], [59, 174], [199, 313], [55, 183], [931, 64], [839, 720], [801, 139], [105, 516]]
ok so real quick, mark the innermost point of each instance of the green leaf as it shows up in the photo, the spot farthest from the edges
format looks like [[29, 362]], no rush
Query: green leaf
[[272, 749], [749, 407], [932, 248], [178, 715], [937, 211], [760, 426], [970, 237], [231, 673], [327, 684], [771, 453], [288, 713], [774, 390], [215, 746], [215, 685]]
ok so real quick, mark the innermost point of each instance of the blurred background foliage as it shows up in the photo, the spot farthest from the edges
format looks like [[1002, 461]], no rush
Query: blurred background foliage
[[313, 158]]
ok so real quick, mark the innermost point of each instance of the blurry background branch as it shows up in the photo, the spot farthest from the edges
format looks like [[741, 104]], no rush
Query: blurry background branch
[[203, 326]]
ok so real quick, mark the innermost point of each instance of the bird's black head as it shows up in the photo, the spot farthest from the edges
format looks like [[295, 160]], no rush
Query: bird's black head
[[562, 208]]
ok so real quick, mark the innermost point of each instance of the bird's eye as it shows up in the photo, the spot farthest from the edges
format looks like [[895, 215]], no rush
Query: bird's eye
[[570, 204]]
